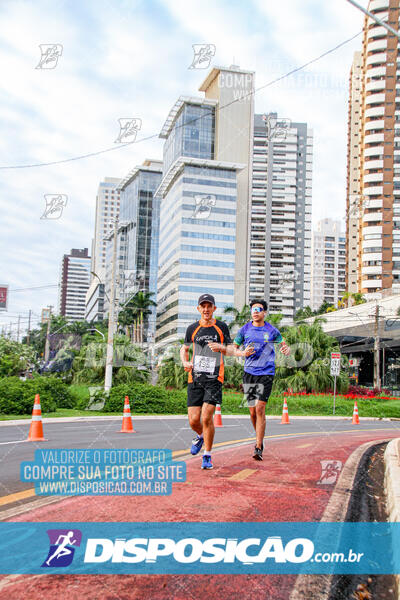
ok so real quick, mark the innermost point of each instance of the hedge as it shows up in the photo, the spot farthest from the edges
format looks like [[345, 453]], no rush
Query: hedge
[[17, 396], [146, 398]]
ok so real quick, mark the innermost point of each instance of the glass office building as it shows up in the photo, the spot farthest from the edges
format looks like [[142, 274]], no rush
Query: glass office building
[[138, 234]]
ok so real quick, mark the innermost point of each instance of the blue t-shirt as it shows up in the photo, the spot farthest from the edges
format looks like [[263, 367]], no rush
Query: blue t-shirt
[[262, 361]]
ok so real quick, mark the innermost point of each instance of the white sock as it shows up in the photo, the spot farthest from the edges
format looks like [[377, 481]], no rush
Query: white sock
[[207, 453]]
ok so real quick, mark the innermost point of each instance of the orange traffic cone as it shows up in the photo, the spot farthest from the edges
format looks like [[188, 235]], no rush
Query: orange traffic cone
[[356, 420], [127, 426], [36, 428], [285, 413], [218, 416]]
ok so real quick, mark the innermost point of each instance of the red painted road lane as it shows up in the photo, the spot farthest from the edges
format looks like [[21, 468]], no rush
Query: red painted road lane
[[282, 488]]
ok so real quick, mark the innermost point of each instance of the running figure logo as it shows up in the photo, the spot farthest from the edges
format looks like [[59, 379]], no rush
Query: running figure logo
[[203, 54], [50, 53], [330, 470], [55, 204], [62, 542], [128, 128]]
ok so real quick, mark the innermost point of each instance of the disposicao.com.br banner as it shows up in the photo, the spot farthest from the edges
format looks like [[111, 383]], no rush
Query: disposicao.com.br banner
[[186, 548]]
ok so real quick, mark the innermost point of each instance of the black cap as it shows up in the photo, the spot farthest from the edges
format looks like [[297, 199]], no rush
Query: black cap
[[206, 298]]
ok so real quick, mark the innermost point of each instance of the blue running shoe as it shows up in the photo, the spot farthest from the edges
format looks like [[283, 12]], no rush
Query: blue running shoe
[[206, 464], [197, 444]]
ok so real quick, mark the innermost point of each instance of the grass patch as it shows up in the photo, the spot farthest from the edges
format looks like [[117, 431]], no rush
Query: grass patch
[[233, 404]]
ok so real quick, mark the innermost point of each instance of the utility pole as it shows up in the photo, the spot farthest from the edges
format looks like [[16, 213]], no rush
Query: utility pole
[[377, 379], [29, 328], [19, 321], [375, 18], [111, 316], [47, 345]]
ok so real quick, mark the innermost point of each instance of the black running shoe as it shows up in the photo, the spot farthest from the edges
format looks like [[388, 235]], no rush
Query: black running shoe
[[258, 453]]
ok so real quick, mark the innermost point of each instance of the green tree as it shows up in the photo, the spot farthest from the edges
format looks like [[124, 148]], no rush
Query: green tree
[[136, 313], [15, 358], [308, 366], [240, 317], [351, 299], [304, 313]]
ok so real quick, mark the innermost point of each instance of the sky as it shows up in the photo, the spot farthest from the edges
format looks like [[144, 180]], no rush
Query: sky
[[131, 59]]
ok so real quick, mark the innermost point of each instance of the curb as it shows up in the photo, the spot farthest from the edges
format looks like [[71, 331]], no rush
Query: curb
[[392, 487], [183, 416], [319, 586]]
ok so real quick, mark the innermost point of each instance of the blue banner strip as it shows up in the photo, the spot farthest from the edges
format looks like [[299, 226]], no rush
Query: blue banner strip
[[199, 548]]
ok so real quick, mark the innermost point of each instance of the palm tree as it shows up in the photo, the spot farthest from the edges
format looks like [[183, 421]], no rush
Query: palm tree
[[240, 317], [351, 299], [308, 367], [304, 313], [324, 308], [136, 312], [274, 319]]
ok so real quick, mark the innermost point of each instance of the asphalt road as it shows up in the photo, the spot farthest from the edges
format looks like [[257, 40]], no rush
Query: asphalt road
[[151, 432]]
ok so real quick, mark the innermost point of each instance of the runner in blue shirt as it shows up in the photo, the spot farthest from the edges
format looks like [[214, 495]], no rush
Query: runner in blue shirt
[[259, 367]]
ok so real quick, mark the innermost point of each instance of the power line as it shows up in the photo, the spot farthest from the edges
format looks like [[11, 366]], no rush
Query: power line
[[150, 137]]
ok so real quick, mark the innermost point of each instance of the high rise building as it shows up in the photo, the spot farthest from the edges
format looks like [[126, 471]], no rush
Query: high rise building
[[107, 207], [377, 208], [139, 222], [353, 197], [328, 272], [280, 238], [74, 283], [205, 199]]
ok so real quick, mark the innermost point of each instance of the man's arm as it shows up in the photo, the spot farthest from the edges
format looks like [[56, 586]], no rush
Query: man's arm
[[184, 355]]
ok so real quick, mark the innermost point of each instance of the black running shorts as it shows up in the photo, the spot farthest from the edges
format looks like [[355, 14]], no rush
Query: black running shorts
[[209, 391], [257, 387]]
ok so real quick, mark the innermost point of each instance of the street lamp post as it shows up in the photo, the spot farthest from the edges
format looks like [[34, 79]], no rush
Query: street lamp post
[[375, 18], [111, 316]]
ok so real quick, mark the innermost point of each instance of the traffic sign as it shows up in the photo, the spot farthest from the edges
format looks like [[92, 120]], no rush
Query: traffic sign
[[335, 364]]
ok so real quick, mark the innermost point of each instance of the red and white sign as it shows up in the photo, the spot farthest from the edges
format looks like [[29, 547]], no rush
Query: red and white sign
[[335, 364], [3, 297]]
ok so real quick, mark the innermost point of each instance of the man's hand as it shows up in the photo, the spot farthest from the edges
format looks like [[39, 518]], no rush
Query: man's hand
[[187, 365], [216, 347], [285, 349], [248, 351]]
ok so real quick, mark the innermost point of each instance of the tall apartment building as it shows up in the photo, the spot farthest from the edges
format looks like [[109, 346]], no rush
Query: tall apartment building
[[328, 272], [107, 207], [378, 213], [353, 197], [74, 283], [205, 199], [280, 238], [139, 222]]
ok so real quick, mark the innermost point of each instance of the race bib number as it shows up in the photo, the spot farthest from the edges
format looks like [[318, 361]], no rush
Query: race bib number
[[205, 364]]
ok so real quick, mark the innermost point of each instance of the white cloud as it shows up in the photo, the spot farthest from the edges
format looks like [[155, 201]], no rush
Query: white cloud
[[131, 59]]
